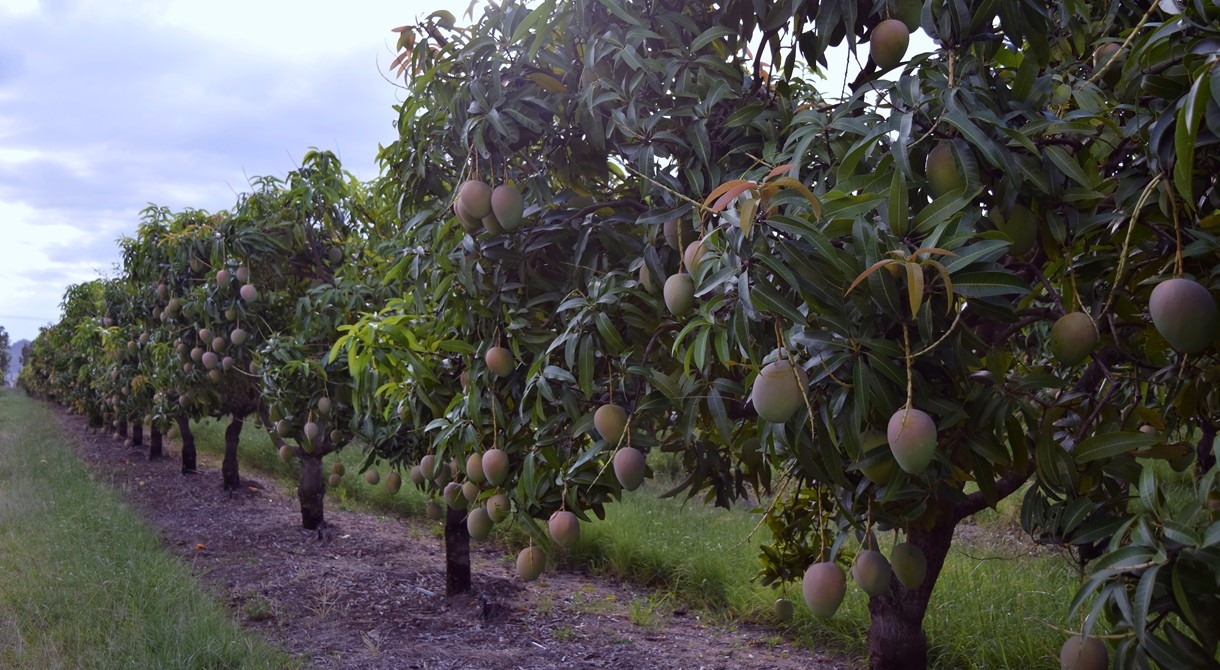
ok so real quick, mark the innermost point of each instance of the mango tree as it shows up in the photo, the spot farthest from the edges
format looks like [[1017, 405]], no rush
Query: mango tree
[[954, 256], [328, 218]]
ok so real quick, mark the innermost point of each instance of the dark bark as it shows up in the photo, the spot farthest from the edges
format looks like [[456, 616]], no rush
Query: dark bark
[[896, 639], [122, 429], [228, 467], [156, 448], [189, 465], [457, 553], [311, 491], [137, 433]]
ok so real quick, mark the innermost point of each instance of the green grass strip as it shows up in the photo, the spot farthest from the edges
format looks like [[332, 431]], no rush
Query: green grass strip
[[84, 583]]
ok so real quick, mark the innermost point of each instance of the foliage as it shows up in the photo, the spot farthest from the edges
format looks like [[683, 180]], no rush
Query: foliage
[[908, 242]]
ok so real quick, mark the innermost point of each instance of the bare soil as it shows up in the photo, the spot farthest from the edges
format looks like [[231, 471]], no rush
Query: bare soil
[[368, 591]]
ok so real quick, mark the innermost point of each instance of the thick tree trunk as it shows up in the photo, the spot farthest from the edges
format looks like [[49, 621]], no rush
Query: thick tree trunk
[[311, 491], [457, 552], [137, 434], [228, 467], [896, 639], [156, 448], [189, 465]]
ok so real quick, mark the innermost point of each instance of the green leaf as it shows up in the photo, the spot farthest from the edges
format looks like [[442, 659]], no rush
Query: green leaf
[[899, 210], [983, 284], [1187, 133], [1112, 444], [1068, 166], [942, 208], [711, 35]]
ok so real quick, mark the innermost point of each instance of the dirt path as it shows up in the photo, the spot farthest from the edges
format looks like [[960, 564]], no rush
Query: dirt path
[[369, 593]]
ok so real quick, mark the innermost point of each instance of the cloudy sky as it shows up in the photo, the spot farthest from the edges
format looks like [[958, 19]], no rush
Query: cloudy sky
[[109, 105]]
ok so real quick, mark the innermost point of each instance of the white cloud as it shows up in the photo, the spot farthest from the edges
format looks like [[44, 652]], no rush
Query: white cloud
[[108, 105]]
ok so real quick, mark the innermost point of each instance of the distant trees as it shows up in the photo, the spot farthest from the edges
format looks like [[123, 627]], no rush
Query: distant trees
[[5, 357]]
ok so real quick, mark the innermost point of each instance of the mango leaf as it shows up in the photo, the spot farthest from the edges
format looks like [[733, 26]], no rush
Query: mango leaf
[[1112, 444], [1187, 132]]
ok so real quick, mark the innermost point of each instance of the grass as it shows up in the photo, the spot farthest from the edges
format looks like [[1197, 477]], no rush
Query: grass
[[994, 607], [83, 582]]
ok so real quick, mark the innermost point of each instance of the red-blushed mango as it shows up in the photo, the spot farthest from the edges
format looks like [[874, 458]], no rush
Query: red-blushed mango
[[530, 563], [679, 293], [470, 490], [783, 609], [469, 223], [888, 43], [941, 170], [629, 468], [324, 406], [499, 360], [909, 12], [912, 437], [498, 507], [238, 336], [248, 292], [286, 453], [416, 475], [427, 466], [909, 564], [475, 197], [453, 496], [1102, 56], [492, 225], [478, 524], [779, 391], [1020, 226], [474, 468], [1073, 338], [693, 254], [372, 477], [1084, 654], [242, 274], [393, 482], [495, 466], [610, 420], [871, 572], [1184, 313], [564, 528], [508, 206], [678, 233], [223, 277], [209, 360], [645, 279], [434, 511], [824, 587], [311, 431]]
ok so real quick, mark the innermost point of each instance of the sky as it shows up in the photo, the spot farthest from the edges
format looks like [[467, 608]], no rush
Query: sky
[[107, 106]]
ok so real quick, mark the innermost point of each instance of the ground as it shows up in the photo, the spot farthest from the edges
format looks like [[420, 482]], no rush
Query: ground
[[368, 592]]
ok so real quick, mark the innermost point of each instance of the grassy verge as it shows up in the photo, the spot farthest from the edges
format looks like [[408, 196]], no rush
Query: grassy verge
[[994, 606], [83, 583]]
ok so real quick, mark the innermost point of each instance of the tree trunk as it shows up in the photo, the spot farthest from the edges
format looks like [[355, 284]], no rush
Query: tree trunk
[[311, 491], [189, 466], [155, 447], [228, 467], [122, 428], [896, 639], [457, 552], [137, 434]]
